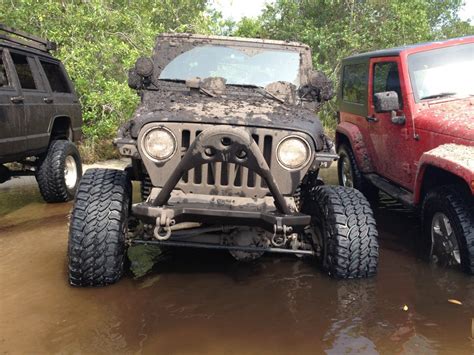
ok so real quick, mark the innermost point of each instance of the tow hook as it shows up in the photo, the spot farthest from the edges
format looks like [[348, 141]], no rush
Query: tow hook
[[163, 227]]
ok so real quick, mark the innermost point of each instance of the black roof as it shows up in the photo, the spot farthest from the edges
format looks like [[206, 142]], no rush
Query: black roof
[[390, 52]]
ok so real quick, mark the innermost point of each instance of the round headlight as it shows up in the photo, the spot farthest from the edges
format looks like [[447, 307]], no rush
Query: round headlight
[[293, 152], [159, 144]]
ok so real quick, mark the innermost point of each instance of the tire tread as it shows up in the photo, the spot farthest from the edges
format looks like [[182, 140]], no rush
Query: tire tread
[[96, 238], [461, 207], [352, 250], [50, 173]]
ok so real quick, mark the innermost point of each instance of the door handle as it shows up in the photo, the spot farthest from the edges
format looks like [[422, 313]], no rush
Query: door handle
[[371, 119], [48, 100], [17, 99]]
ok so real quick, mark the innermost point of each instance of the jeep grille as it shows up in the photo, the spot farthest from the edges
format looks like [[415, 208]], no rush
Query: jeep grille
[[226, 178], [225, 174]]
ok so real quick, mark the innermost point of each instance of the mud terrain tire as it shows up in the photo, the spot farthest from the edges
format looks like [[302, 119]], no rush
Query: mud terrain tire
[[51, 173], [346, 156], [98, 228], [343, 230], [458, 207]]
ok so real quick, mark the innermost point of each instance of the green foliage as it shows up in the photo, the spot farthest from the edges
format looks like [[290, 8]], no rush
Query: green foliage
[[99, 40], [338, 28]]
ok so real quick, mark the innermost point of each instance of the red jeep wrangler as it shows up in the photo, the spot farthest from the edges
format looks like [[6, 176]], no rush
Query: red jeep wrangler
[[406, 127]]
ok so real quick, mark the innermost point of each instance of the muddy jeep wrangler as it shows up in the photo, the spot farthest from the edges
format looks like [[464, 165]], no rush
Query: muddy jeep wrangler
[[40, 116], [406, 127], [227, 149]]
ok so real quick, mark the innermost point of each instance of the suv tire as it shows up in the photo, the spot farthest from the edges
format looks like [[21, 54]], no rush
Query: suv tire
[[349, 174], [448, 215], [59, 172], [343, 231], [98, 228]]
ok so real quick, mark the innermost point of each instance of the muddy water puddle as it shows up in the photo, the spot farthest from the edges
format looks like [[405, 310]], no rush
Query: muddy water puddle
[[205, 302]]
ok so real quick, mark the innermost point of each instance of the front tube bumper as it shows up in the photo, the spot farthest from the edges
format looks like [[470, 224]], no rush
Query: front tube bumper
[[227, 145]]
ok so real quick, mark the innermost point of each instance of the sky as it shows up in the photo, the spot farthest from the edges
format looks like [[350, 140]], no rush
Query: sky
[[236, 9], [467, 13]]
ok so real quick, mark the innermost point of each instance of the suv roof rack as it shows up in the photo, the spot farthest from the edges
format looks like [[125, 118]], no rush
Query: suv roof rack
[[25, 39]]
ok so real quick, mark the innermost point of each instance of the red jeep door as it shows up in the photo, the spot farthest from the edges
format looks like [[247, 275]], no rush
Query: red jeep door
[[390, 141]]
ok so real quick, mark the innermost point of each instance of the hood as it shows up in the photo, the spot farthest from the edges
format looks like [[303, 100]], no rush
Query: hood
[[250, 111], [452, 118]]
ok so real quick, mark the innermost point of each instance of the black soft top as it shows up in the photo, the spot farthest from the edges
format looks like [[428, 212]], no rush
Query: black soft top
[[395, 51]]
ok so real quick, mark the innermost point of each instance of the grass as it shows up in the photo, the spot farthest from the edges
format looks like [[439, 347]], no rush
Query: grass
[[93, 150]]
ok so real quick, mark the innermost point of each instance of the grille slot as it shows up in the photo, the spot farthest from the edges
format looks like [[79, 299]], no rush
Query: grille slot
[[225, 174]]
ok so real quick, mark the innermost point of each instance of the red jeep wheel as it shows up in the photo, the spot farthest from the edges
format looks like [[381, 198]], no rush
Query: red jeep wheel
[[448, 227], [349, 174]]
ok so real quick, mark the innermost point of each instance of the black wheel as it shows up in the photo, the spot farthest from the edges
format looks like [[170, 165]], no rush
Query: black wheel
[[98, 228], [349, 174], [59, 172], [343, 231], [448, 227], [4, 174]]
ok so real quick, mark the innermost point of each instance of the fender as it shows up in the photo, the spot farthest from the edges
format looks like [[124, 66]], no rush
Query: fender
[[356, 140], [453, 158], [61, 121]]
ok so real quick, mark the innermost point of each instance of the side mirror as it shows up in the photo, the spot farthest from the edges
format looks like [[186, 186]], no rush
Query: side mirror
[[386, 101]]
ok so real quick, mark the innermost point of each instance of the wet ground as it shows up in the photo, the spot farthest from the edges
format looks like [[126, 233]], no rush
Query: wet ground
[[202, 302]]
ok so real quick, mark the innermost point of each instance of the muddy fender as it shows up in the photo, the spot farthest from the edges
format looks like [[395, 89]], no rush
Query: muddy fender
[[453, 158], [356, 140]]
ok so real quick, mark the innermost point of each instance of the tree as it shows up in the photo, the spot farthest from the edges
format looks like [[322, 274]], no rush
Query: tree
[[98, 40], [338, 28]]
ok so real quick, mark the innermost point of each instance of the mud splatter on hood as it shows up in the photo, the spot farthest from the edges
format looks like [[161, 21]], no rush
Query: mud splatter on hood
[[453, 118], [250, 110]]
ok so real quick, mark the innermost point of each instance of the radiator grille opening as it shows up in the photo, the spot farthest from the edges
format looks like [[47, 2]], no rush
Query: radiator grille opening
[[185, 143], [225, 174], [267, 154]]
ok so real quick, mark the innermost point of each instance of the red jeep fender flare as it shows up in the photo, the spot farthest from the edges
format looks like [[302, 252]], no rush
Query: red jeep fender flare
[[453, 158], [356, 140]]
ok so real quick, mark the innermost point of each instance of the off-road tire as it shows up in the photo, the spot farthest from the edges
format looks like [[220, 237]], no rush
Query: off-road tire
[[359, 182], [50, 172], [458, 206], [344, 219], [4, 174], [98, 228]]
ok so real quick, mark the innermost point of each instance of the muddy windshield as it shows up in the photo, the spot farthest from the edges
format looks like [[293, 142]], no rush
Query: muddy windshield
[[237, 66], [442, 72]]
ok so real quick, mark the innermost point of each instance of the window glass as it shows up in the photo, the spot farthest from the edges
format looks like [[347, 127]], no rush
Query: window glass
[[23, 70], [442, 72], [3, 73], [386, 78], [354, 83], [236, 65], [56, 78]]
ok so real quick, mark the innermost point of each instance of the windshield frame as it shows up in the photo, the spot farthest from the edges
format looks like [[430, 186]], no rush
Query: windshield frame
[[411, 73], [168, 47]]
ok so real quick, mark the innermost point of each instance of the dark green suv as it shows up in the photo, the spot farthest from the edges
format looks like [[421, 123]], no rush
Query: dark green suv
[[40, 116]]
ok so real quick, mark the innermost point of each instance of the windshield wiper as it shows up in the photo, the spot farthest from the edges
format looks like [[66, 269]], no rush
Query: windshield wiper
[[261, 90], [441, 94]]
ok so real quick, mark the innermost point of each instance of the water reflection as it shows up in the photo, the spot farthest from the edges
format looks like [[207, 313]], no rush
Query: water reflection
[[205, 302]]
